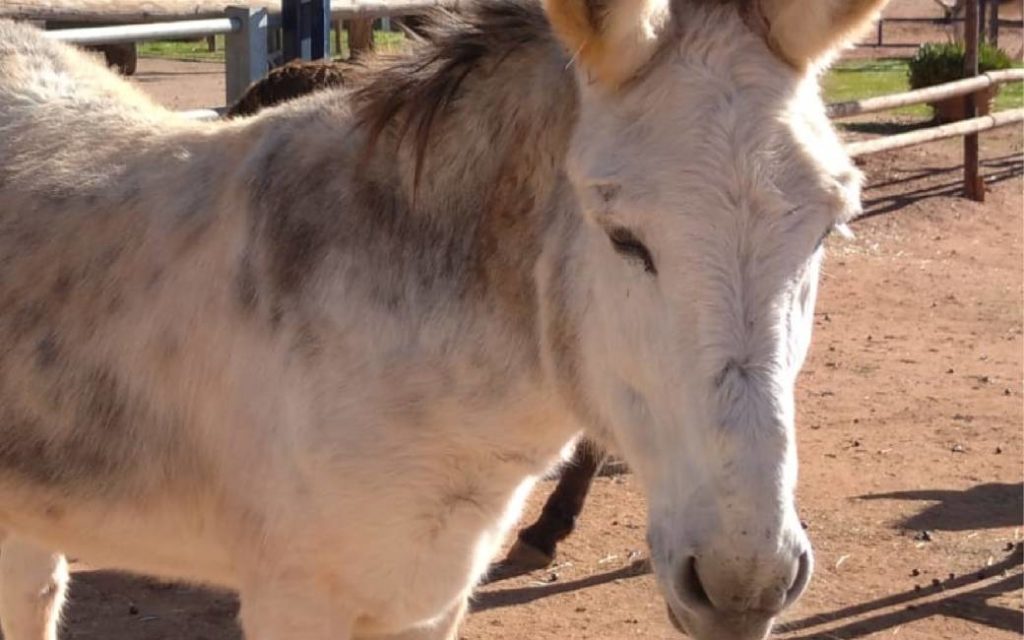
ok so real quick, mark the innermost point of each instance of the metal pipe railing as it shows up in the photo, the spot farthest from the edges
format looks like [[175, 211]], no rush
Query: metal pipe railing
[[143, 32]]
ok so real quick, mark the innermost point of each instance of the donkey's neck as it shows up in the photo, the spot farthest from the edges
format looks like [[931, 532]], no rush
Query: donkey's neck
[[471, 134], [431, 202]]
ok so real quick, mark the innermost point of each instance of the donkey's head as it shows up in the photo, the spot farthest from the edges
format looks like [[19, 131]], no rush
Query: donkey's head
[[708, 177]]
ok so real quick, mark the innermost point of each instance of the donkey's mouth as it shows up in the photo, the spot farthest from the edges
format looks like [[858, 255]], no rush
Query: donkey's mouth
[[743, 626], [674, 620]]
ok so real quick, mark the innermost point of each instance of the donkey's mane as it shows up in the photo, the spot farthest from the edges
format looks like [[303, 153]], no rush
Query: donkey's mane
[[416, 88]]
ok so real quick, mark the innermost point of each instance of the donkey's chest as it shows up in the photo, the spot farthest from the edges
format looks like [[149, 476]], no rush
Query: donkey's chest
[[435, 511], [436, 554]]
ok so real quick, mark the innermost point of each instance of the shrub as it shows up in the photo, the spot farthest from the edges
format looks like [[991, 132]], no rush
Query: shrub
[[936, 63]]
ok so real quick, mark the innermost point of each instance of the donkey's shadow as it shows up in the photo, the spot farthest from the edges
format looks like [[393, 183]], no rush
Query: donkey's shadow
[[109, 604]]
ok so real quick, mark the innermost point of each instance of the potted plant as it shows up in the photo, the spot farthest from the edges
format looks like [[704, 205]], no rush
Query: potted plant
[[937, 63]]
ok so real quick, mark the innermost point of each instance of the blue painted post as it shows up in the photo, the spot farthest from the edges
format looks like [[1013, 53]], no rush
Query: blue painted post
[[245, 50], [307, 28]]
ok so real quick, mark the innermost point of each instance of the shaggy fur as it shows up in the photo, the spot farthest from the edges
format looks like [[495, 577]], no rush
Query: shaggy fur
[[320, 355], [536, 545]]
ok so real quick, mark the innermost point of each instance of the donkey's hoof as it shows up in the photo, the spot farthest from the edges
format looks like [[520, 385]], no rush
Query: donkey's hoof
[[527, 556], [522, 558]]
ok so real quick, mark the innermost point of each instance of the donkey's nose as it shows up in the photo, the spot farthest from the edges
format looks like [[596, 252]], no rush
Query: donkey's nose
[[728, 586]]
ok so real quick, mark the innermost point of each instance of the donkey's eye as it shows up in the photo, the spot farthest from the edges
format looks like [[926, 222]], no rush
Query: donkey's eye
[[630, 247]]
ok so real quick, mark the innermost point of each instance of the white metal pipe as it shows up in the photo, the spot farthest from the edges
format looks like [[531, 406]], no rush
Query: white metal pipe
[[151, 31], [201, 114]]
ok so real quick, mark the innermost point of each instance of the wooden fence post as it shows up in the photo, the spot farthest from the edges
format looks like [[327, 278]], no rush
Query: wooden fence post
[[360, 36], [993, 23], [973, 185]]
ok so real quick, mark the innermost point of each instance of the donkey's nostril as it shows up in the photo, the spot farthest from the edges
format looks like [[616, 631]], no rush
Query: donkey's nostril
[[690, 589], [803, 576]]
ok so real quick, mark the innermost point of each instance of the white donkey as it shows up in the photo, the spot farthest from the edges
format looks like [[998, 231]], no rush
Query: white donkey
[[320, 355]]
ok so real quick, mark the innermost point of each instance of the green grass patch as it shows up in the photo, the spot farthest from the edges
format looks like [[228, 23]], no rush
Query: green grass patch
[[198, 50], [858, 79], [184, 50]]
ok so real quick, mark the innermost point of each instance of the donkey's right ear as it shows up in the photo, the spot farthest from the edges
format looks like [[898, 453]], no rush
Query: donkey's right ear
[[610, 39], [803, 32]]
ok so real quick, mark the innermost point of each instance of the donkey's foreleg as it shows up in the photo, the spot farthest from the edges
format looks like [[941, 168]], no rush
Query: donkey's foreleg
[[33, 582], [536, 544]]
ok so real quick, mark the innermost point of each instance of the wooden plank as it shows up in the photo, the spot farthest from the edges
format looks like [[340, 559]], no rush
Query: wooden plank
[[973, 186], [128, 11], [921, 96], [964, 127], [360, 36]]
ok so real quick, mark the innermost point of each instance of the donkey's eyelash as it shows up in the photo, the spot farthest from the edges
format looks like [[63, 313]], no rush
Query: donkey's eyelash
[[629, 246]]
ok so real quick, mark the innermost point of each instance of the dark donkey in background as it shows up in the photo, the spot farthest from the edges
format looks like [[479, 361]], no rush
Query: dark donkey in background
[[536, 544]]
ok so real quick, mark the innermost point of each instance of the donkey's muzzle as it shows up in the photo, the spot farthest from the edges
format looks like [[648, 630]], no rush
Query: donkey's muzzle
[[716, 598]]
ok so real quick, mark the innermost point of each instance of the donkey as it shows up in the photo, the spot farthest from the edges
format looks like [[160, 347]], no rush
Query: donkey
[[537, 543], [320, 355]]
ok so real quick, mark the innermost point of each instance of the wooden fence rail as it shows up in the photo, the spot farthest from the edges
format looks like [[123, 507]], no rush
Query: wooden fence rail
[[952, 130], [921, 96]]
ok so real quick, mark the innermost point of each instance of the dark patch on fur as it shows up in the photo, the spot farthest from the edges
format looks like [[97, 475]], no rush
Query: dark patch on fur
[[115, 303], [93, 445], [246, 292], [472, 234], [307, 341], [103, 404], [298, 245], [289, 223], [46, 351], [276, 317], [63, 285], [154, 279], [93, 436], [28, 317]]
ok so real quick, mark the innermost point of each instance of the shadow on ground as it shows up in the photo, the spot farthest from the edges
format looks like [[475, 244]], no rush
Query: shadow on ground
[[993, 171], [523, 595], [985, 506], [969, 602], [109, 604]]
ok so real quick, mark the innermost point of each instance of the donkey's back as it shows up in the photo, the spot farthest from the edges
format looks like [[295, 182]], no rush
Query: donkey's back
[[105, 268]]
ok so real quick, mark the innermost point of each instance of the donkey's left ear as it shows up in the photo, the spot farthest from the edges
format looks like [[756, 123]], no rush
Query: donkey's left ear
[[610, 39], [805, 32]]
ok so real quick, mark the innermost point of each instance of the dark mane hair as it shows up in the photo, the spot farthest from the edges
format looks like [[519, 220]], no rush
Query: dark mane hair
[[415, 89]]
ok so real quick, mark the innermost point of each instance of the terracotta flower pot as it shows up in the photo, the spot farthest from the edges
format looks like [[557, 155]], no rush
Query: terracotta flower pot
[[954, 109]]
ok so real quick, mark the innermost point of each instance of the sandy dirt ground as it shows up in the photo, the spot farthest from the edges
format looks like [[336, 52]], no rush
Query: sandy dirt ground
[[910, 436]]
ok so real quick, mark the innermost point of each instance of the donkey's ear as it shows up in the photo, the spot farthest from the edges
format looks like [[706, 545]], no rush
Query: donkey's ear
[[806, 31], [610, 39]]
